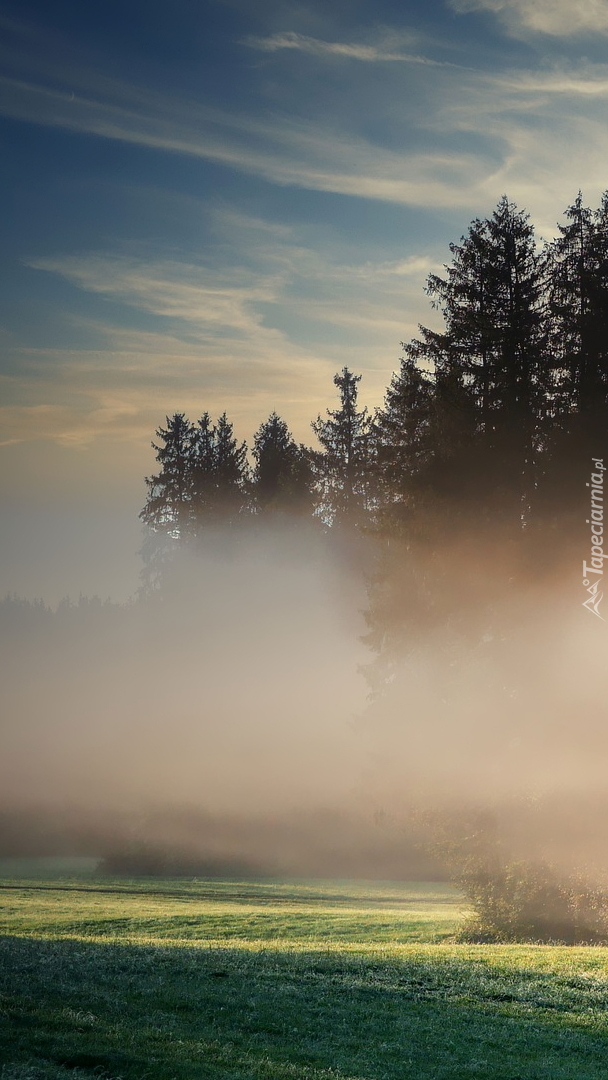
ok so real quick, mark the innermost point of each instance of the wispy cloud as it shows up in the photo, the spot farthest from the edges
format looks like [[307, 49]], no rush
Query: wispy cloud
[[220, 308], [303, 153], [203, 298], [216, 344], [313, 153], [370, 53], [269, 329], [587, 80], [557, 18]]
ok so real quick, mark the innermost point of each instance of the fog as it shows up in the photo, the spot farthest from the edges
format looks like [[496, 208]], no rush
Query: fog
[[238, 686], [231, 719]]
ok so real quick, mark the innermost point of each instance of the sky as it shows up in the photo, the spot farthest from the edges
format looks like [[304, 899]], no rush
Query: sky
[[217, 205]]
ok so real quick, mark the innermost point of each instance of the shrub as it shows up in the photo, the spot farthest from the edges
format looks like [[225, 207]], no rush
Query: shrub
[[524, 901], [516, 900]]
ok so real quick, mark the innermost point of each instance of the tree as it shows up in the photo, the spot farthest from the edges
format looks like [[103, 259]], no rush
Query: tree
[[578, 298], [489, 362], [168, 504], [342, 467], [401, 436], [203, 481], [282, 475], [203, 466], [576, 266], [231, 473], [457, 446], [219, 475], [167, 511]]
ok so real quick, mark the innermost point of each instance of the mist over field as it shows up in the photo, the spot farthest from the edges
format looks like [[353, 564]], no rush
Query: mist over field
[[232, 700], [237, 687], [339, 651], [303, 616], [230, 720]]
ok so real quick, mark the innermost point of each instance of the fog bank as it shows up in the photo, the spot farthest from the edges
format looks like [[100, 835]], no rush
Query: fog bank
[[230, 720]]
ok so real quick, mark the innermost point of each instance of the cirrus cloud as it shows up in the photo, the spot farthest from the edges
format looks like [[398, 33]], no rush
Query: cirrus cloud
[[350, 50], [558, 18]]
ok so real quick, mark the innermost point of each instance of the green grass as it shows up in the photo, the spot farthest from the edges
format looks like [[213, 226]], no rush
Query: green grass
[[206, 912], [182, 980]]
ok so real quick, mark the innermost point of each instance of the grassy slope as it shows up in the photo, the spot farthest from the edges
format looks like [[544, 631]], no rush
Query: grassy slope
[[180, 980]]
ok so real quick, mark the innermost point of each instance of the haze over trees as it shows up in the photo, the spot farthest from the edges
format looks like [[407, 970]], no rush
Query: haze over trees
[[462, 491], [456, 513], [487, 428]]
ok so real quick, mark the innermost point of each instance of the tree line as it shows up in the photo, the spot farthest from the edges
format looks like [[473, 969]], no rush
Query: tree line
[[206, 479], [488, 424]]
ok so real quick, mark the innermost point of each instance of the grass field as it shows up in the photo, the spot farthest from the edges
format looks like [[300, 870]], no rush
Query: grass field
[[186, 980]]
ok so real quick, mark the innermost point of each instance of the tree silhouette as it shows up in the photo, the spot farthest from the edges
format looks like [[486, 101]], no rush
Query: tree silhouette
[[167, 511], [282, 476], [231, 471], [203, 467], [490, 363], [485, 428], [576, 267], [342, 467], [459, 441], [220, 475], [402, 439]]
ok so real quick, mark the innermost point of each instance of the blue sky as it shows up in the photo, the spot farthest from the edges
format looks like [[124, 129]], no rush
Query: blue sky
[[218, 204]]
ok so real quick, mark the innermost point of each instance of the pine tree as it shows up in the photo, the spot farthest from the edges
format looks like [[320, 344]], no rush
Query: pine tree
[[220, 475], [342, 467], [577, 270], [170, 490], [167, 512], [458, 448], [282, 475], [401, 437], [490, 362], [231, 473], [203, 467]]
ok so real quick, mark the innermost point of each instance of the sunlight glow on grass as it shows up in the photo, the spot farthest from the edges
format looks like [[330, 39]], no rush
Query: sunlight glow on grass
[[187, 980]]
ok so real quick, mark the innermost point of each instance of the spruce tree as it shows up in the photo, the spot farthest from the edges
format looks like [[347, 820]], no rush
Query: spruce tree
[[458, 445], [342, 472], [490, 363], [282, 475], [231, 474], [577, 274], [203, 466], [170, 490], [401, 436], [168, 508]]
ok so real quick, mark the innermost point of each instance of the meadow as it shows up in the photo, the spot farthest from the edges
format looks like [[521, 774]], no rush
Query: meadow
[[276, 980]]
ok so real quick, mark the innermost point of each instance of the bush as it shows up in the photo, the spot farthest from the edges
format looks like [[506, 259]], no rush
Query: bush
[[516, 900], [522, 901]]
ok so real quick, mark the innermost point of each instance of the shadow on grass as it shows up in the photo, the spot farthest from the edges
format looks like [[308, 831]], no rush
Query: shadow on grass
[[89, 1009]]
